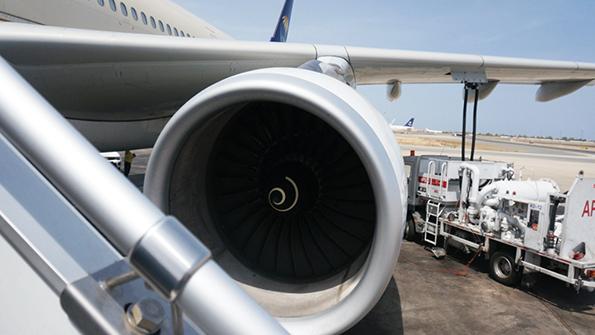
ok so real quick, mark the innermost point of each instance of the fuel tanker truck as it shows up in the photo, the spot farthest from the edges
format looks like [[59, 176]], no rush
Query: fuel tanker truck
[[519, 225]]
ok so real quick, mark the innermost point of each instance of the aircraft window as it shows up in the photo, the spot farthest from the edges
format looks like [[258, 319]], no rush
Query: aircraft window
[[123, 9], [101, 3], [143, 16], [153, 22], [169, 29], [133, 13], [176, 31], [112, 5], [161, 26]]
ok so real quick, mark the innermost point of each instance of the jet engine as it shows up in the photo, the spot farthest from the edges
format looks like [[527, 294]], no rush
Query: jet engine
[[296, 184]]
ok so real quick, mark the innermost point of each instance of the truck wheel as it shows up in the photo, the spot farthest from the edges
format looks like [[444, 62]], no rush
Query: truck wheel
[[410, 230], [503, 269]]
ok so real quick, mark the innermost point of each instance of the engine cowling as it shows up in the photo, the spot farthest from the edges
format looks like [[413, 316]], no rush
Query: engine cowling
[[296, 184]]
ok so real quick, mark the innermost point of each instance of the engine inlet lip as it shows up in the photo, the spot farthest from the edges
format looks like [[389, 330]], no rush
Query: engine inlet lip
[[375, 146]]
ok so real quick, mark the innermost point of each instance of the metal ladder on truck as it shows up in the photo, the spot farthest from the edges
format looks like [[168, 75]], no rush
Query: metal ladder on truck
[[431, 229]]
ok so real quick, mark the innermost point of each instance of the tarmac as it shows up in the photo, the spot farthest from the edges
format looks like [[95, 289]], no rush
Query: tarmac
[[447, 296]]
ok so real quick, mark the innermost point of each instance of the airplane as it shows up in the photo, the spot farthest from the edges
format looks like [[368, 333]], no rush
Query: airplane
[[408, 128], [264, 150], [151, 76]]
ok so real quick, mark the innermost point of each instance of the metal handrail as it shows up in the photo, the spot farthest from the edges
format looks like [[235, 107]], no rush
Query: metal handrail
[[442, 174], [431, 169], [127, 219]]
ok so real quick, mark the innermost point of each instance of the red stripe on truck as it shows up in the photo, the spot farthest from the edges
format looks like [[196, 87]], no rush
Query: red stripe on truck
[[433, 181]]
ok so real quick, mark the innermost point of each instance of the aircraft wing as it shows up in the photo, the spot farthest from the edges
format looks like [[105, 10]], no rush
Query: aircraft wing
[[375, 66], [90, 74]]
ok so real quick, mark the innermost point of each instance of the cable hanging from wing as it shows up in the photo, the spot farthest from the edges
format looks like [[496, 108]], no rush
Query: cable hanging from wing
[[476, 98], [475, 87]]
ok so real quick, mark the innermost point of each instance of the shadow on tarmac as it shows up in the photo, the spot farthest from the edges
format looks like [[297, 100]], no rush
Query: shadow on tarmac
[[385, 318], [549, 291], [553, 292]]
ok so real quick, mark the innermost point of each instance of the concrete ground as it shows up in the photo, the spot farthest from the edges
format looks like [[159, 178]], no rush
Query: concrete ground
[[430, 296], [446, 297]]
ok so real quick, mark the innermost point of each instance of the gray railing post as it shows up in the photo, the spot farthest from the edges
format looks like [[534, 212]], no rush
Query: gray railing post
[[186, 274]]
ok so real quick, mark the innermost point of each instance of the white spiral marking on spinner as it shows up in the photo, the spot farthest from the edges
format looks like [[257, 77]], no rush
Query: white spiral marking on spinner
[[276, 204]]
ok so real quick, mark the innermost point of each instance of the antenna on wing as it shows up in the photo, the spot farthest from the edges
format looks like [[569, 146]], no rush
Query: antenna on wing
[[280, 34]]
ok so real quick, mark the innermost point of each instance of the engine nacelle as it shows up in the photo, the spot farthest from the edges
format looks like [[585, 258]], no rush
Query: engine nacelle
[[296, 184]]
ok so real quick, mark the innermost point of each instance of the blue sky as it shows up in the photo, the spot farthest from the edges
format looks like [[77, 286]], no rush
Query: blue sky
[[552, 29]]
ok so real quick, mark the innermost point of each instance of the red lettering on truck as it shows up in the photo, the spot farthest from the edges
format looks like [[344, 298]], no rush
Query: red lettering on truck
[[589, 208]]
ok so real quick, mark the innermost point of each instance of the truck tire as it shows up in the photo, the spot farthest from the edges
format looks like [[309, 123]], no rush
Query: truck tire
[[503, 268], [410, 233]]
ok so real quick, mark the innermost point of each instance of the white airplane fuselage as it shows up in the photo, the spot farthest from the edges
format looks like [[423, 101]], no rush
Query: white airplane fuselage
[[126, 119], [131, 16]]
